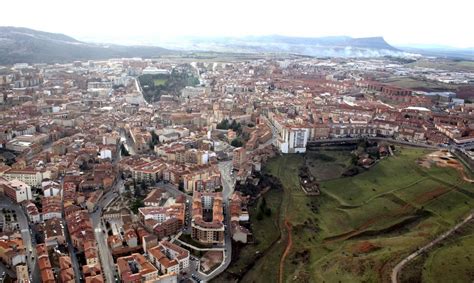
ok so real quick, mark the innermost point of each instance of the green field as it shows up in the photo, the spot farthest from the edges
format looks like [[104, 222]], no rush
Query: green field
[[361, 226], [159, 82], [454, 256], [266, 232], [325, 164], [449, 65]]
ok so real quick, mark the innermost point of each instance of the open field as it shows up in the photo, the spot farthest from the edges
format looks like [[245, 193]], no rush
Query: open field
[[453, 256], [361, 226], [326, 165], [158, 82], [448, 65], [419, 84], [263, 239]]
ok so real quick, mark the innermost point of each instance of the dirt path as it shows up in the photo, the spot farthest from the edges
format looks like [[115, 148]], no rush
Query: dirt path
[[287, 249], [396, 270]]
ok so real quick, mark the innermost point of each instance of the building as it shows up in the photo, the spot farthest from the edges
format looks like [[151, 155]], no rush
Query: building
[[22, 274], [31, 177], [54, 232], [136, 268], [207, 222], [80, 228], [164, 221], [66, 271], [293, 139], [12, 251], [149, 172], [17, 191], [239, 157]]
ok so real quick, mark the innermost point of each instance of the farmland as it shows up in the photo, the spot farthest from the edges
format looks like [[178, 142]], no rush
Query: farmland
[[361, 226]]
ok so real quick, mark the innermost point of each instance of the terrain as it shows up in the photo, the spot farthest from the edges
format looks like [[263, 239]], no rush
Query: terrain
[[22, 45], [331, 46], [360, 226]]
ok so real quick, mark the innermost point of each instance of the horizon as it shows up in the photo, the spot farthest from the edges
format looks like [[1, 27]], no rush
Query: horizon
[[181, 38], [142, 22]]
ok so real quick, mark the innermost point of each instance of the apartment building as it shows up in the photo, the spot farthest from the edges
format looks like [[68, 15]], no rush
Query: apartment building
[[149, 172], [29, 176], [17, 191], [207, 217], [169, 258], [136, 268], [239, 157]]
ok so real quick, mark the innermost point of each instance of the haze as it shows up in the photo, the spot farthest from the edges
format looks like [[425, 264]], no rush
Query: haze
[[147, 22]]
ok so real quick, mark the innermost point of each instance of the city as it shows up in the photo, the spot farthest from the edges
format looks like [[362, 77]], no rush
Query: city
[[219, 166]]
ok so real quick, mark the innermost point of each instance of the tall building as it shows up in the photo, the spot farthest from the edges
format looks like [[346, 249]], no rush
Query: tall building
[[239, 157], [17, 191]]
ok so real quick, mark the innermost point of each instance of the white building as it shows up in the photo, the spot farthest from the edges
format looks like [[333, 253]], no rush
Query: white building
[[18, 191], [293, 140]]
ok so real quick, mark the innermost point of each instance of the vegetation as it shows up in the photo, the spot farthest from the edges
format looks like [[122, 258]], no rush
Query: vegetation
[[154, 140], [237, 142], [266, 233], [225, 125], [263, 210], [361, 226], [136, 204], [154, 86], [453, 256]]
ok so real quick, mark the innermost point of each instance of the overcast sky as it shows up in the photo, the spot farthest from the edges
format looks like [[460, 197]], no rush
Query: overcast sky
[[143, 21]]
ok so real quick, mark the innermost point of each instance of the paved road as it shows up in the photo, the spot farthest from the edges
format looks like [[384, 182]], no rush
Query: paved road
[[396, 270], [228, 184], [26, 235], [105, 254]]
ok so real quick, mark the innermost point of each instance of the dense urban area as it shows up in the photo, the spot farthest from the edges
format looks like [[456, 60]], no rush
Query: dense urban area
[[228, 167]]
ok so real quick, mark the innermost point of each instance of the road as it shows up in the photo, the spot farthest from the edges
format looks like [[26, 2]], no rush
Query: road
[[228, 184], [396, 270], [107, 262], [26, 235]]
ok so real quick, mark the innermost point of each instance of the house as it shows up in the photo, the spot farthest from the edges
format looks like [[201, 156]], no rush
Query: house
[[54, 232], [50, 188], [136, 268], [66, 271]]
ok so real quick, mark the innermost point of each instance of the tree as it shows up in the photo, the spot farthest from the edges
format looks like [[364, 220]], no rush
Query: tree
[[136, 204], [154, 138], [223, 125], [237, 142]]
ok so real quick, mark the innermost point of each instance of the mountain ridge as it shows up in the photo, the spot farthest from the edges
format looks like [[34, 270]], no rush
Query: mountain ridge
[[24, 45], [330, 46]]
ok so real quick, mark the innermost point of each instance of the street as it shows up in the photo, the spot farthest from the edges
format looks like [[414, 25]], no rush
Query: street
[[105, 255], [26, 235]]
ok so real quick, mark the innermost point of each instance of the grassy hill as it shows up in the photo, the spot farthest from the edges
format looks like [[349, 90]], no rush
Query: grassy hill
[[361, 226], [22, 45]]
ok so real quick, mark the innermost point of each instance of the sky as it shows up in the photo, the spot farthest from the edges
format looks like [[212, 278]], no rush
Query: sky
[[402, 22]]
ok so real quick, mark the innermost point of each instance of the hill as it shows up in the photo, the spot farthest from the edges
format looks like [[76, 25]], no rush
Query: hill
[[32, 46], [331, 46]]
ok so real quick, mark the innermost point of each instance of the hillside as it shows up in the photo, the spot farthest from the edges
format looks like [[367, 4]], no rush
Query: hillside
[[32, 46], [331, 46]]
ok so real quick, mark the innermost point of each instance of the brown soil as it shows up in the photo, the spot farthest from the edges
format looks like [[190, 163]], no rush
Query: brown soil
[[287, 249], [364, 247]]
